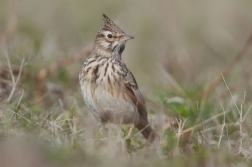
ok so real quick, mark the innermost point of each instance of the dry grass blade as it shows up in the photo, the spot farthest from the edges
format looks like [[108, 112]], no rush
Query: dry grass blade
[[15, 82], [206, 121], [222, 126], [9, 65], [181, 124], [232, 98]]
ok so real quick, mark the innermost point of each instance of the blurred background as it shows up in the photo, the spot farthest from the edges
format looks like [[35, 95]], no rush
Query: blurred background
[[193, 41], [179, 51]]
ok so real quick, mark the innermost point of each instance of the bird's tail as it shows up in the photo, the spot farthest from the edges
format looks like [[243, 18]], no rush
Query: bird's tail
[[147, 131]]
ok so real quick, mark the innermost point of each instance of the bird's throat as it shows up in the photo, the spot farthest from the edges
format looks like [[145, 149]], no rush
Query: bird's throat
[[98, 50]]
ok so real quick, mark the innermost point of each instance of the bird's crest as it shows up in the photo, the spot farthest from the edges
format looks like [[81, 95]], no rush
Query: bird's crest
[[109, 25]]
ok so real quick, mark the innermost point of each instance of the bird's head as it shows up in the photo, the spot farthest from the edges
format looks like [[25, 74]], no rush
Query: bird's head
[[109, 36]]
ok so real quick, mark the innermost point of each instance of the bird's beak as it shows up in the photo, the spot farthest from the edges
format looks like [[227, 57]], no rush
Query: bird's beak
[[126, 38]]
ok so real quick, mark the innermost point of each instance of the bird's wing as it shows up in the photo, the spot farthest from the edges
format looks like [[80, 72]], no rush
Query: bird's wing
[[129, 83], [131, 89]]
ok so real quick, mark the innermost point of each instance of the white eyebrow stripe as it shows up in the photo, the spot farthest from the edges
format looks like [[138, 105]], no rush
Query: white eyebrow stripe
[[106, 33]]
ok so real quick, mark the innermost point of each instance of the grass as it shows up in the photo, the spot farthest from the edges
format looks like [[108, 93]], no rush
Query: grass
[[193, 69]]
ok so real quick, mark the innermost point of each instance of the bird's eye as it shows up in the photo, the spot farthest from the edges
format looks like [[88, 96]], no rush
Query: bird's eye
[[109, 35]]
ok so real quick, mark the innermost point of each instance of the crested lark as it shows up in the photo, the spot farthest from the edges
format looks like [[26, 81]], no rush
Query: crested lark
[[108, 87]]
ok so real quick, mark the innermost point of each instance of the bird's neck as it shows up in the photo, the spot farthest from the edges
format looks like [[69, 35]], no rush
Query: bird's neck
[[101, 51]]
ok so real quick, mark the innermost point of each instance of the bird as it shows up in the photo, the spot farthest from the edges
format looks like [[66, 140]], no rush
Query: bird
[[109, 89]]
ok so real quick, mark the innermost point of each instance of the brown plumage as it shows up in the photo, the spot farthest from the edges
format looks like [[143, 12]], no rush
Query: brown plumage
[[109, 88]]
